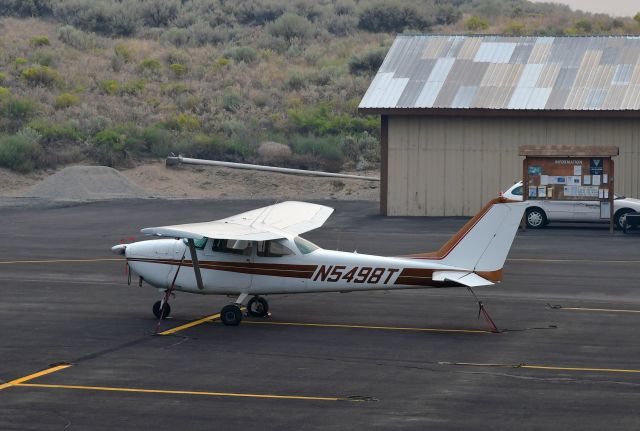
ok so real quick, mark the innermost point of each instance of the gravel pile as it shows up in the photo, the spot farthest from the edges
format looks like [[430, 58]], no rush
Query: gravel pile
[[86, 183]]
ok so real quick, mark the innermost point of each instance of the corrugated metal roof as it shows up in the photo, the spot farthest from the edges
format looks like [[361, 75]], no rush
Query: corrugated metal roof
[[495, 72]]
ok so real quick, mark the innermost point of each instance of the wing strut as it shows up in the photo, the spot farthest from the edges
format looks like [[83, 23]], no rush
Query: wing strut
[[196, 264]]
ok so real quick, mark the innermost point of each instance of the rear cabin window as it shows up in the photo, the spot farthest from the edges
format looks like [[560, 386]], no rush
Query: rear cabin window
[[273, 249], [225, 246]]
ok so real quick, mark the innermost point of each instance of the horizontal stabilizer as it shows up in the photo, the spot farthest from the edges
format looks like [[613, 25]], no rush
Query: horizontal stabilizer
[[469, 279]]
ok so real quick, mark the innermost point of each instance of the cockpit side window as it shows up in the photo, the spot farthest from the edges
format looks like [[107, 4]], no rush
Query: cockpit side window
[[273, 249], [199, 243], [226, 246], [517, 191]]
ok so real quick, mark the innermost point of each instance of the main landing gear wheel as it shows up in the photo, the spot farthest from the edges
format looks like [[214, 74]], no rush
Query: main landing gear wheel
[[258, 307], [165, 312], [231, 315]]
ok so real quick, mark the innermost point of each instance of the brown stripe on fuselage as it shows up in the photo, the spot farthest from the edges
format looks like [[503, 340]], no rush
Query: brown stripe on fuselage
[[276, 270]]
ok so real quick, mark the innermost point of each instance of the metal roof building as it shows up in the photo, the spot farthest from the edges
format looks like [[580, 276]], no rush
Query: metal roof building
[[454, 110]]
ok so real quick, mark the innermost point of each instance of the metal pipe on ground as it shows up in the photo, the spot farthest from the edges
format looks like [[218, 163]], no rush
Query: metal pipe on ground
[[176, 160]]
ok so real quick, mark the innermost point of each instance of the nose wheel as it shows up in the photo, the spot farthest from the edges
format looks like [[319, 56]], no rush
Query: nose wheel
[[231, 315], [161, 312]]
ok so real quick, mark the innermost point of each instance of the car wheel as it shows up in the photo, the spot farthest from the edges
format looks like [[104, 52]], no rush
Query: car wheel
[[536, 218], [620, 216]]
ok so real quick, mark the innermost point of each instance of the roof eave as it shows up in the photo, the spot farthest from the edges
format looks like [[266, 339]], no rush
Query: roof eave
[[486, 112]]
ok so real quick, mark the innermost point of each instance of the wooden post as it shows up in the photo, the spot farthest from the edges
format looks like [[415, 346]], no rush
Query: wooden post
[[611, 193]]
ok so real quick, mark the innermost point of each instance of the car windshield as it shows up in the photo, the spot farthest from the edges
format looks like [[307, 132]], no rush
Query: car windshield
[[305, 246]]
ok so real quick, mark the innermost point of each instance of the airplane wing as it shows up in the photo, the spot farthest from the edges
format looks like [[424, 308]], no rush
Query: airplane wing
[[469, 279], [272, 222]]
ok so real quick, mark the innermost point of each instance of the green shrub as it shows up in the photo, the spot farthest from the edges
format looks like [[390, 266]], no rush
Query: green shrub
[[179, 70], [110, 87], [241, 53], [296, 81], [368, 62], [320, 120], [515, 29], [123, 51], [77, 38], [342, 25], [56, 132], [290, 26], [177, 36], [387, 17], [3, 77], [133, 87], [20, 61], [476, 23], [4, 93], [176, 56], [65, 100], [157, 141], [44, 58], [20, 109], [174, 89], [327, 148], [159, 13], [109, 139], [40, 75], [150, 67], [37, 41], [182, 122], [18, 153]]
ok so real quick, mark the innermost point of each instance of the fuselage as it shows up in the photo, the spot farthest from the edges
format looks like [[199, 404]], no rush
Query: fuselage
[[288, 265]]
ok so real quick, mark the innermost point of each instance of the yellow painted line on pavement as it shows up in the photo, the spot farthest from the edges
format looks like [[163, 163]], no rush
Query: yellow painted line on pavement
[[174, 392], [14, 262], [388, 328], [19, 381], [571, 260], [544, 367], [210, 318], [602, 310]]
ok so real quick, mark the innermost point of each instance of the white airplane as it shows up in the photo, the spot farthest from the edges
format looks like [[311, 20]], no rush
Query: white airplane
[[260, 252]]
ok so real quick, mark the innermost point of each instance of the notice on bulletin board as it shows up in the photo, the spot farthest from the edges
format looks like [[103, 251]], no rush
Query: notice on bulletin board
[[542, 192], [605, 210]]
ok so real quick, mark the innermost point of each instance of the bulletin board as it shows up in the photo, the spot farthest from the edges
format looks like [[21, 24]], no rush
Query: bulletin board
[[570, 173]]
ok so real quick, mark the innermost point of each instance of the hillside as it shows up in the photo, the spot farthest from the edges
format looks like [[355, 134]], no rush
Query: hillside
[[117, 82]]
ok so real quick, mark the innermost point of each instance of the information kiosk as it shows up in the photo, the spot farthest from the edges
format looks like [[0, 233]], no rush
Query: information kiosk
[[570, 178]]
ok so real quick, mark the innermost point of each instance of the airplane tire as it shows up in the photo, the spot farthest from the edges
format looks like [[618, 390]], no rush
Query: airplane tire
[[231, 315], [258, 307], [165, 312]]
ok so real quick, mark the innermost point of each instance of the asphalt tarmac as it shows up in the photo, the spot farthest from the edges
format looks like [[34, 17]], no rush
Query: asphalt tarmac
[[567, 356]]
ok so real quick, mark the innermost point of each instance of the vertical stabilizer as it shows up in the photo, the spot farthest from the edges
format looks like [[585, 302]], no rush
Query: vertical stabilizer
[[483, 243]]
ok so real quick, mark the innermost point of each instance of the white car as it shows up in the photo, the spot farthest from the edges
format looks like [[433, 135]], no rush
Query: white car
[[541, 212]]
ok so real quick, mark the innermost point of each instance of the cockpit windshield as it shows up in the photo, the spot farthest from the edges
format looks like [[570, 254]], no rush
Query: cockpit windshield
[[304, 245]]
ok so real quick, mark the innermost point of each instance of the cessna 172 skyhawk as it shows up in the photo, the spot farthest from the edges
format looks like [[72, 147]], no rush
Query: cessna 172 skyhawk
[[260, 253]]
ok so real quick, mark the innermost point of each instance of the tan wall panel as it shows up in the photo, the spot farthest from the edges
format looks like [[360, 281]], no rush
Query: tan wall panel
[[452, 166]]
